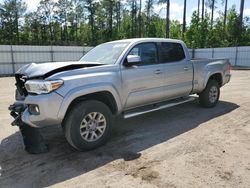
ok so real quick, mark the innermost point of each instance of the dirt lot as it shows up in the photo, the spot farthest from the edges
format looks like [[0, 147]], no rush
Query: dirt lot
[[185, 146]]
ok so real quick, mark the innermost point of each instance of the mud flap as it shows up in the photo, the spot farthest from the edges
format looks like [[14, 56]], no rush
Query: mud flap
[[32, 138]]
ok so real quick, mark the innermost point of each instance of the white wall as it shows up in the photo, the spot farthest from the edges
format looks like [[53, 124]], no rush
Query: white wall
[[14, 57], [238, 56]]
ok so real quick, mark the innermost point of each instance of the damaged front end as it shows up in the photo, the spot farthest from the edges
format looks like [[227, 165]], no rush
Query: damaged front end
[[32, 138], [30, 110]]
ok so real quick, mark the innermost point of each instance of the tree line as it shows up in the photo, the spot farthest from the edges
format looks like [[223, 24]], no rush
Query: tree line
[[91, 22]]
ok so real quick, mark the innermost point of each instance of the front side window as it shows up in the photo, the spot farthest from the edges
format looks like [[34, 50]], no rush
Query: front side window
[[107, 53], [171, 52], [147, 52]]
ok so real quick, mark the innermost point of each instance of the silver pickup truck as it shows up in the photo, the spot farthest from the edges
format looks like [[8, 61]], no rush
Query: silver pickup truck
[[125, 77]]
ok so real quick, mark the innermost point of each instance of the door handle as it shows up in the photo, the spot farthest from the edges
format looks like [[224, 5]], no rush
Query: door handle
[[186, 68], [158, 72]]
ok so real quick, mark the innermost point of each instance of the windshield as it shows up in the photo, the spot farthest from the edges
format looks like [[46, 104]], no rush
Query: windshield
[[106, 53]]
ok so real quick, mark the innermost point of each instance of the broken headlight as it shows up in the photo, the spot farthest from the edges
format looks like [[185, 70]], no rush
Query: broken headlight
[[42, 86]]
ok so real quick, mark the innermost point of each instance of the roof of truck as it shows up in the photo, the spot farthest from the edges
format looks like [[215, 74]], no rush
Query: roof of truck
[[148, 40]]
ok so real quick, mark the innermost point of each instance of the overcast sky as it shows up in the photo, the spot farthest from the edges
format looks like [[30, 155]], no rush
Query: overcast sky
[[176, 7]]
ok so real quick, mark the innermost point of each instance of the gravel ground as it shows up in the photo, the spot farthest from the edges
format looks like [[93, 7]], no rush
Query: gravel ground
[[184, 146]]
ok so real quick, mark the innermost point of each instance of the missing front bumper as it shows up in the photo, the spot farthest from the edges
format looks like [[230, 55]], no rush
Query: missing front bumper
[[32, 138]]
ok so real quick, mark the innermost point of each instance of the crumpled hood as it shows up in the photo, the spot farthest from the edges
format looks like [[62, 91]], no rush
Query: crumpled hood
[[47, 69]]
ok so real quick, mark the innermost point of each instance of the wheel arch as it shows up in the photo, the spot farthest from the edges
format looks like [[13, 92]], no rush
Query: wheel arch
[[103, 96], [217, 76], [106, 94]]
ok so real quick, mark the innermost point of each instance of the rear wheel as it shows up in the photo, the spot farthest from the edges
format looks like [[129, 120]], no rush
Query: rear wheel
[[210, 95], [88, 125]]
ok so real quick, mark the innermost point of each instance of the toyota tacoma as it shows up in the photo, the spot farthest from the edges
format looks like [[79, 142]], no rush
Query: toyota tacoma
[[126, 77]]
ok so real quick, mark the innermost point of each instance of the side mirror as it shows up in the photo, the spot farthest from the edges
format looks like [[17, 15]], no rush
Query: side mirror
[[132, 60]]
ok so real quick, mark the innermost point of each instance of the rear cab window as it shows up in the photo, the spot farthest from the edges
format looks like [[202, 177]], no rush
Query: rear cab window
[[171, 52]]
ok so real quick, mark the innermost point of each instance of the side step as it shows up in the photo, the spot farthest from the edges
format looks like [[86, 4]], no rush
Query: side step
[[155, 107]]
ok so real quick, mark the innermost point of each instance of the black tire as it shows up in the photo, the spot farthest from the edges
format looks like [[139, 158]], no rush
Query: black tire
[[74, 119], [204, 97]]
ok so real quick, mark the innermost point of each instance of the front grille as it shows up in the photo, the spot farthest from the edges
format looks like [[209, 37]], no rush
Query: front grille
[[20, 81]]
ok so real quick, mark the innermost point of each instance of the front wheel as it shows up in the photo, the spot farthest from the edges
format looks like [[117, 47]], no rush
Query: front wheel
[[88, 125], [210, 95]]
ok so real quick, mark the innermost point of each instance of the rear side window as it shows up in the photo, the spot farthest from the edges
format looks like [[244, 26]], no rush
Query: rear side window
[[171, 52]]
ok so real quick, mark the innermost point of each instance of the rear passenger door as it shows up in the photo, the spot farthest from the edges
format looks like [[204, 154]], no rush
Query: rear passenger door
[[178, 71]]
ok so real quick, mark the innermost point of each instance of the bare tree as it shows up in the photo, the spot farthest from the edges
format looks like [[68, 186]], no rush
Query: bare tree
[[90, 6], [241, 11], [140, 20], [184, 18], [64, 8], [225, 14], [203, 9], [198, 8], [110, 19], [149, 7], [212, 14], [167, 19], [46, 10], [167, 3], [11, 12], [118, 14]]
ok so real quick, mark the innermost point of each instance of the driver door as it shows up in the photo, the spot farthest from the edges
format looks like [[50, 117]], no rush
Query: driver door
[[143, 83]]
